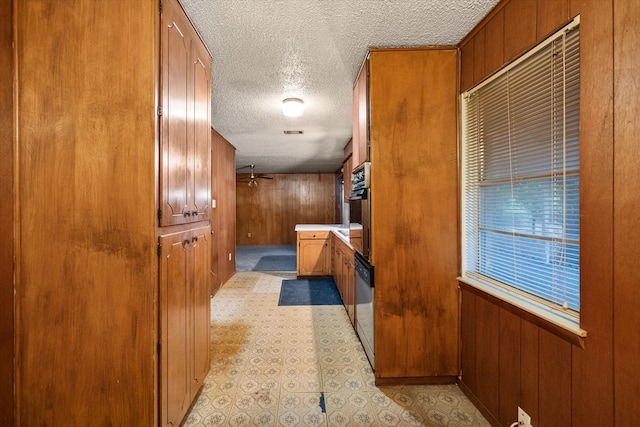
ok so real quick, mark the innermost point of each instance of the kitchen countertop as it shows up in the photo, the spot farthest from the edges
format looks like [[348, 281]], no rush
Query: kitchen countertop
[[337, 229]]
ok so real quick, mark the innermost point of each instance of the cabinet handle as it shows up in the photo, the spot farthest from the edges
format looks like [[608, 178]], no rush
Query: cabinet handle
[[186, 242], [194, 213], [187, 213], [194, 239]]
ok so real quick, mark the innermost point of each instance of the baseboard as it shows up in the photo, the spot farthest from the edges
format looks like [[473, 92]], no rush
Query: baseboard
[[416, 380], [478, 404]]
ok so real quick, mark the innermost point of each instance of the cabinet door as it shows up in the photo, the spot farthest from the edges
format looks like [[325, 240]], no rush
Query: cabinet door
[[174, 173], [200, 304], [200, 125], [314, 257], [349, 283], [361, 117], [174, 309]]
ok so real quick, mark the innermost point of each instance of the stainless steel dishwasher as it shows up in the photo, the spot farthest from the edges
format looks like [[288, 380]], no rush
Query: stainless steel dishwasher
[[364, 305]]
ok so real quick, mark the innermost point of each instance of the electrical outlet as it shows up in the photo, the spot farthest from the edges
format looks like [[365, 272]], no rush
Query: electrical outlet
[[249, 235], [524, 420]]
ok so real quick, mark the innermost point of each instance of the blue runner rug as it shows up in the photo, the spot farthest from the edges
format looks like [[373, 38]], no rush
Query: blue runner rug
[[309, 292]]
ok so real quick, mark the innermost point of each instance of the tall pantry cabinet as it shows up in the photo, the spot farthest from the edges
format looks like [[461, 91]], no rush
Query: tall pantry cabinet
[[410, 117], [111, 234]]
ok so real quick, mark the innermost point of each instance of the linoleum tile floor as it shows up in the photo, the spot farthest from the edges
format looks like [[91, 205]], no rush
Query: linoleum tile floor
[[304, 366]]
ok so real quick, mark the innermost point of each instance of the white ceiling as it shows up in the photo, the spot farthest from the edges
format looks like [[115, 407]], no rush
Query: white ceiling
[[267, 50]]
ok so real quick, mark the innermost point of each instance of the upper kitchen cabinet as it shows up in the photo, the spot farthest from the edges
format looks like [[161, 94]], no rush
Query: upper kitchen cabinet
[[185, 153], [360, 117], [414, 250]]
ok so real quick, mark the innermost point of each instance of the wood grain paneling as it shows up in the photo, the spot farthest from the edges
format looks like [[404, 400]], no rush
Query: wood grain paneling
[[6, 216], [468, 341], [87, 286], [529, 345], [467, 53], [554, 383], [627, 205], [488, 354], [519, 27], [551, 369], [494, 44], [592, 368], [271, 210], [509, 369], [551, 15], [478, 55], [223, 217]]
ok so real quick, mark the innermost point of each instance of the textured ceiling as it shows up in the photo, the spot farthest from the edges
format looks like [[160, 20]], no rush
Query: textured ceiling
[[267, 50]]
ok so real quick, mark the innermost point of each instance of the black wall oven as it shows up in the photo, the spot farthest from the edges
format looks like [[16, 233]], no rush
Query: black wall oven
[[360, 210]]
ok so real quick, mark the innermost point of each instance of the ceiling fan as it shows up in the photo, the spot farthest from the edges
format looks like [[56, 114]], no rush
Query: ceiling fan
[[253, 177]]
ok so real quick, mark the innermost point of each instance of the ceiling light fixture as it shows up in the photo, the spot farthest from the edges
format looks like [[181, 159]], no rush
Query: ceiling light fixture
[[292, 107]]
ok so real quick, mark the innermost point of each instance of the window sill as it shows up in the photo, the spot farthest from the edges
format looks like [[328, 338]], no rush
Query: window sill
[[534, 313]]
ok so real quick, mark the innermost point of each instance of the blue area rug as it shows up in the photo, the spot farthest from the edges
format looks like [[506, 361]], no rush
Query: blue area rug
[[309, 292]]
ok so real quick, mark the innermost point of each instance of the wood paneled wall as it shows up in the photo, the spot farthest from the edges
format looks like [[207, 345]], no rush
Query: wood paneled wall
[[508, 361], [271, 210], [6, 217], [223, 216]]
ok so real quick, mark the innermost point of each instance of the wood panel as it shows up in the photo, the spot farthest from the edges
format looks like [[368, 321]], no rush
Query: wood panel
[[554, 382], [592, 369], [487, 355], [413, 97], [6, 216], [551, 15], [223, 217], [88, 277], [519, 27], [479, 55], [627, 204], [494, 44], [529, 346], [509, 368], [270, 211], [468, 341], [466, 76], [551, 369]]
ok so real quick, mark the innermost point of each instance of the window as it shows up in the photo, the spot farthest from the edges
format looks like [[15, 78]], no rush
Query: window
[[521, 183]]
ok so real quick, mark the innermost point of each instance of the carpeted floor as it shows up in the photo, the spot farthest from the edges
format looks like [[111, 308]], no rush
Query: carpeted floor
[[266, 258]]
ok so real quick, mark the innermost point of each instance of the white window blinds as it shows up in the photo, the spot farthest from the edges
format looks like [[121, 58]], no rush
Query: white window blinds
[[521, 163]]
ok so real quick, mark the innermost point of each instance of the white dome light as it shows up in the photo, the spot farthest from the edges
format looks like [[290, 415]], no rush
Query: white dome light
[[292, 107]]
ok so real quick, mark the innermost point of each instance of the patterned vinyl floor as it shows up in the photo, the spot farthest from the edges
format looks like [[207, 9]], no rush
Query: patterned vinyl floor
[[304, 366]]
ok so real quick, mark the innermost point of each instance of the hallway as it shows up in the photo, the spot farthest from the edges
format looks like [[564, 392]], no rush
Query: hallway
[[304, 366]]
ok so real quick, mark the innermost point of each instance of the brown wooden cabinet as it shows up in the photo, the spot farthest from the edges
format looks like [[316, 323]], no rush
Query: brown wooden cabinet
[[314, 253], [360, 117], [185, 194], [184, 319], [184, 114], [414, 236], [343, 274]]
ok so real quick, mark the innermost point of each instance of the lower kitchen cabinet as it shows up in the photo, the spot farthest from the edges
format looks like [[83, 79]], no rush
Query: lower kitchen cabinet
[[314, 254], [343, 275], [184, 320]]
